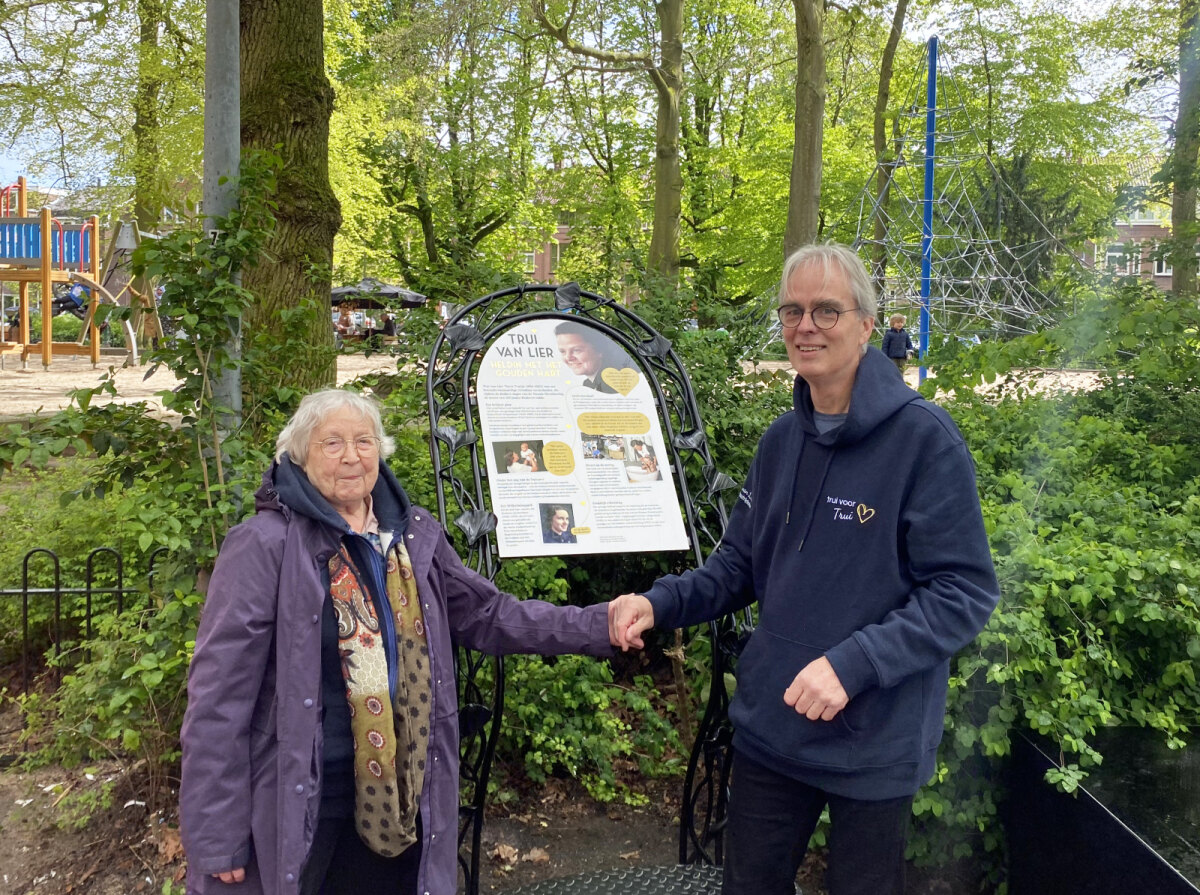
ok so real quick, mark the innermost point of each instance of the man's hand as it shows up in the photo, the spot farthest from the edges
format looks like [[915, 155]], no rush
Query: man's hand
[[628, 616], [232, 876], [816, 693]]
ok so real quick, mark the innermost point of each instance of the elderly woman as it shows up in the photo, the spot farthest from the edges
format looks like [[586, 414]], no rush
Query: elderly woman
[[320, 744]]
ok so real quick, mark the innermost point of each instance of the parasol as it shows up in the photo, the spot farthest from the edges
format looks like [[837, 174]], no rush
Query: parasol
[[372, 293]]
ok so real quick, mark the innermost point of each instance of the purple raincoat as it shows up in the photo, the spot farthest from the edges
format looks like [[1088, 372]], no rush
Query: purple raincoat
[[252, 732]]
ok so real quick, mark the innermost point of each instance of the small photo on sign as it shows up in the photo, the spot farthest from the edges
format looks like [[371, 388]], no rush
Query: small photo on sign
[[558, 520], [641, 463], [519, 457]]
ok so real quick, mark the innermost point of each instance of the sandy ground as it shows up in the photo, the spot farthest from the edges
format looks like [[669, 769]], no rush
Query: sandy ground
[[26, 391], [1043, 380]]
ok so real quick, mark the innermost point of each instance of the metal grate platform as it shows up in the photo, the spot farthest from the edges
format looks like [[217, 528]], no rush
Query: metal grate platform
[[678, 880]]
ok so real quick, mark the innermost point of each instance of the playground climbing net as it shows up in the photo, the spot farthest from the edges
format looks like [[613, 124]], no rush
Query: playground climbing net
[[978, 285]]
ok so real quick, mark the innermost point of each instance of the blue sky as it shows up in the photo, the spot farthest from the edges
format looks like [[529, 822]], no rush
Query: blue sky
[[10, 167]]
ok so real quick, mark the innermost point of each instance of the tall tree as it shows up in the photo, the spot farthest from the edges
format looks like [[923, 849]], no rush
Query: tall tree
[[151, 193], [597, 179], [886, 166], [463, 88], [736, 141], [804, 195], [81, 113], [286, 103], [666, 75], [1185, 154]]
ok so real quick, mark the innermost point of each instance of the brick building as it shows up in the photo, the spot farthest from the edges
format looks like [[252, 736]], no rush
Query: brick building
[[1138, 247]]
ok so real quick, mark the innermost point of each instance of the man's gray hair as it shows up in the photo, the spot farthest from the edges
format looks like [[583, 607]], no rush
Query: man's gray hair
[[297, 435], [826, 255]]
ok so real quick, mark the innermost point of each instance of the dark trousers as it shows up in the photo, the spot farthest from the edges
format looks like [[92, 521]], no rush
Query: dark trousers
[[900, 362], [772, 817], [339, 863]]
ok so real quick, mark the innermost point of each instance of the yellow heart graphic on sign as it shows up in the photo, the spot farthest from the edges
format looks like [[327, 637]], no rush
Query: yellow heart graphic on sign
[[622, 380], [864, 512]]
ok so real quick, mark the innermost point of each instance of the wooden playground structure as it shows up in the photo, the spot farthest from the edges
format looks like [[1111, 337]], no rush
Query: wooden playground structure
[[42, 250]]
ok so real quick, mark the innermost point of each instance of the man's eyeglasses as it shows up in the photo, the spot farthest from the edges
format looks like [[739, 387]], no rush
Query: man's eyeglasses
[[364, 446], [823, 316]]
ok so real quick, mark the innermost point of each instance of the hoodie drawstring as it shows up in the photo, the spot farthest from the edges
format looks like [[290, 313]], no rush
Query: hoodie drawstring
[[816, 499]]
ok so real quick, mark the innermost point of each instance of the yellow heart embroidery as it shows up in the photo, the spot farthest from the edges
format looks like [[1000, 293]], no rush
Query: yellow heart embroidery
[[864, 512], [622, 380]]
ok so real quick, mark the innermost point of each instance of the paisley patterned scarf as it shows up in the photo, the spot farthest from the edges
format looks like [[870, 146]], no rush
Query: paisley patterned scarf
[[391, 740]]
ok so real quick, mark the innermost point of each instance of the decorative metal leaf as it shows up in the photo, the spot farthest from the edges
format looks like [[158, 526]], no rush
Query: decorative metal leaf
[[566, 297], [465, 337], [717, 480], [455, 439], [475, 524], [471, 719], [691, 440], [658, 347]]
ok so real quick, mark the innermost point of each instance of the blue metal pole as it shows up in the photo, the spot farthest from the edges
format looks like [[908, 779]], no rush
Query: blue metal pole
[[927, 218]]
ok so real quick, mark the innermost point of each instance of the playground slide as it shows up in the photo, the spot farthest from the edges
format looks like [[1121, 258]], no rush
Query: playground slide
[[104, 295]]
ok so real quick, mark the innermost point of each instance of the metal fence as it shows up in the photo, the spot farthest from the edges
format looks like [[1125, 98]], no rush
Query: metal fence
[[72, 603]]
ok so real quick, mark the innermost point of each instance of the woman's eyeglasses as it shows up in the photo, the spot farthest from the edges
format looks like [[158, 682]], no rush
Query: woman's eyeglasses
[[823, 316], [364, 446]]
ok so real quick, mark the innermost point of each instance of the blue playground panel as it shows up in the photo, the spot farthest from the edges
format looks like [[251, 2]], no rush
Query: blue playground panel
[[21, 241]]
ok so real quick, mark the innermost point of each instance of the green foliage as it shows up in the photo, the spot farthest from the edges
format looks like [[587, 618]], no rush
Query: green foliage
[[126, 692], [1092, 507], [56, 79], [33, 519], [565, 715], [737, 406], [169, 486], [199, 275], [64, 327]]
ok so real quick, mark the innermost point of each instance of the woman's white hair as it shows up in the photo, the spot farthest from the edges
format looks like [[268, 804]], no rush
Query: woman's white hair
[[313, 410]]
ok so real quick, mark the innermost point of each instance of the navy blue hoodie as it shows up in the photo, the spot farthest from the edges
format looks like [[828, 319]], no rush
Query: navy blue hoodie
[[865, 545]]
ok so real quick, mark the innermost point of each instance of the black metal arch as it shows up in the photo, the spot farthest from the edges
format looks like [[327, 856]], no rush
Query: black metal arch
[[462, 498]]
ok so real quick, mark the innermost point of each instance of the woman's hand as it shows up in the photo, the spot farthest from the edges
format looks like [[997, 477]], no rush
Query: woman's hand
[[232, 876]]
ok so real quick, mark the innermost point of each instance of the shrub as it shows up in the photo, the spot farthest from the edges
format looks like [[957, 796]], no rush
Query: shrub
[[1092, 507]]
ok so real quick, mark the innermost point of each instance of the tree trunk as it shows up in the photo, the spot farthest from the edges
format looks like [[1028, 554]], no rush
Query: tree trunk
[[667, 77], [147, 195], [804, 193], [668, 181], [1185, 155], [286, 103], [885, 166]]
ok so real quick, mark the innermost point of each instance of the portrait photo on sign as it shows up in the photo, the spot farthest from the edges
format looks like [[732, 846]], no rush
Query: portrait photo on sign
[[603, 364], [557, 521], [519, 456]]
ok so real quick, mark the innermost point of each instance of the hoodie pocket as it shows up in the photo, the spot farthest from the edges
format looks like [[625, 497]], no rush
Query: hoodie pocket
[[887, 724], [766, 669]]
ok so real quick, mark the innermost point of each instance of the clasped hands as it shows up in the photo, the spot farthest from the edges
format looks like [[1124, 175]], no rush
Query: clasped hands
[[816, 693]]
